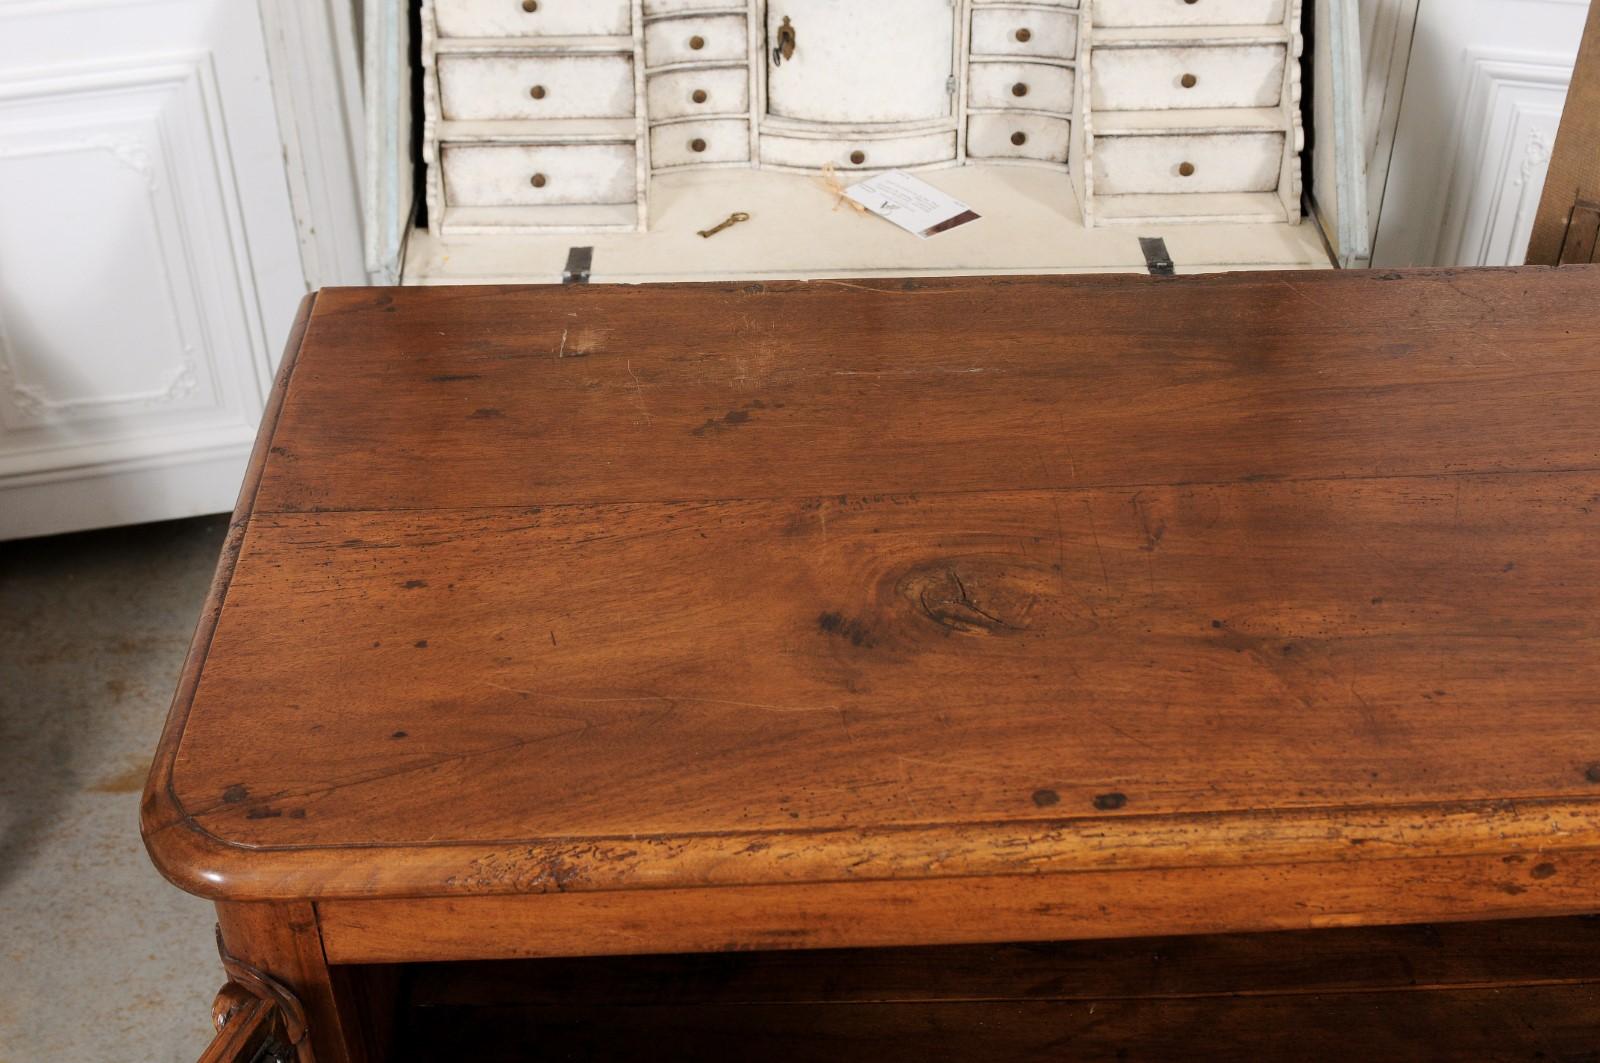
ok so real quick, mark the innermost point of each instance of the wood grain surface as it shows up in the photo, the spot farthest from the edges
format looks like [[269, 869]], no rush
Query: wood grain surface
[[592, 589]]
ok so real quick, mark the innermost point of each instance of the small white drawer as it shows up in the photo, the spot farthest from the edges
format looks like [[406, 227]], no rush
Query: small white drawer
[[1030, 31], [809, 154], [655, 8], [530, 175], [700, 142], [1188, 12], [533, 18], [1143, 79], [1018, 136], [1046, 3], [1032, 86], [1213, 162], [681, 93], [696, 40], [500, 87]]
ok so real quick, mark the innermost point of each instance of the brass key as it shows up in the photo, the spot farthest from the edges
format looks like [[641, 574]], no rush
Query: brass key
[[733, 219]]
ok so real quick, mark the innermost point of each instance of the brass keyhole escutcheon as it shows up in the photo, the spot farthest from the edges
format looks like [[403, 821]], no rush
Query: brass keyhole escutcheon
[[1019, 89], [1019, 138], [538, 180], [1185, 169], [1024, 35], [858, 157], [1188, 81], [530, 6], [697, 145], [697, 42], [699, 96], [537, 92], [787, 41]]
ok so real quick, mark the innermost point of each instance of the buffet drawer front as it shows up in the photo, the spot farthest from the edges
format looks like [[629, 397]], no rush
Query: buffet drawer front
[[655, 8], [1160, 79], [806, 153], [701, 39], [1029, 86], [548, 18], [1018, 136], [682, 93], [1215, 162], [530, 175], [1024, 31], [1188, 12], [499, 87], [699, 143]]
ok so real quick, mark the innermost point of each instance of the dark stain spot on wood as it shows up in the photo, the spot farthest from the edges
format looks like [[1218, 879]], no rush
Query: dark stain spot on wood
[[1592, 773], [451, 378], [729, 420], [1509, 566], [265, 812], [1545, 870], [1217, 624], [1512, 888], [234, 794], [1110, 802], [413, 584], [844, 627], [297, 813], [1046, 798], [1377, 601], [755, 404], [421, 644], [401, 734], [486, 413]]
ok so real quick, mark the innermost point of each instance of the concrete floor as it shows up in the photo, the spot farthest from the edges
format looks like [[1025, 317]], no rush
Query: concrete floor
[[100, 959]]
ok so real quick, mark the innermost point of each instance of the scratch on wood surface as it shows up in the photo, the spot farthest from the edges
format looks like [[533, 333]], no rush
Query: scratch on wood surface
[[561, 352], [894, 291], [635, 698], [1105, 576], [638, 389]]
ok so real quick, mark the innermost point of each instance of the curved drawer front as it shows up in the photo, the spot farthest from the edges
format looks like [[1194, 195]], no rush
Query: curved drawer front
[[699, 143], [494, 87], [1215, 162], [1188, 12], [1138, 79], [533, 18], [1032, 86], [530, 175], [1027, 31], [696, 40], [1018, 136], [809, 154], [682, 93]]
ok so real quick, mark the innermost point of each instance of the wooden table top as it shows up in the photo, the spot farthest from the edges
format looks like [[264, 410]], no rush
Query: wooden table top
[[595, 589]]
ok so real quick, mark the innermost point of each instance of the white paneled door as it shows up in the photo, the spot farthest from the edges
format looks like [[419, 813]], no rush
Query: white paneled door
[[1481, 104], [149, 264]]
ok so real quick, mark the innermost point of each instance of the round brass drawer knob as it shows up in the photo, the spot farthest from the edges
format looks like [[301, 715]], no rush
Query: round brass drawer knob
[[699, 96], [1019, 89], [697, 42], [538, 180], [537, 92], [1024, 35], [1185, 169], [1019, 138], [530, 6], [858, 157], [1188, 81], [697, 145]]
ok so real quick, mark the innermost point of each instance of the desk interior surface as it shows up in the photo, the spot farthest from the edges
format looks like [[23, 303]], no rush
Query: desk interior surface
[[595, 587], [1030, 224]]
